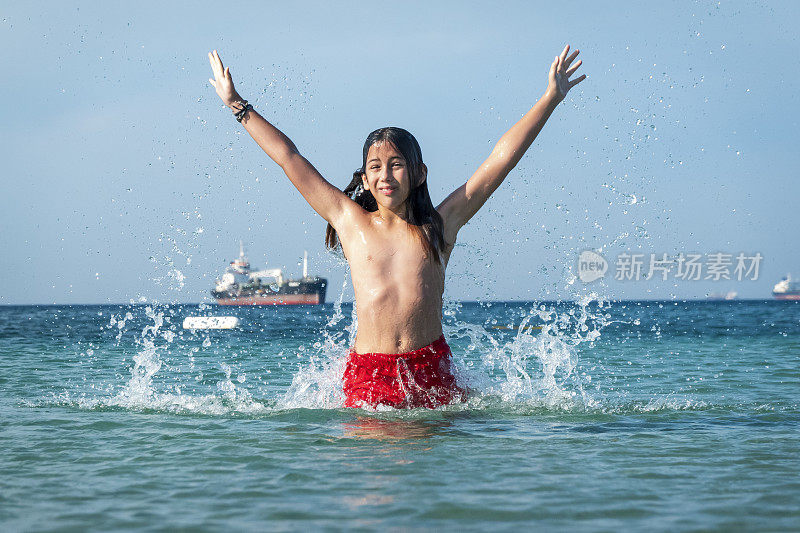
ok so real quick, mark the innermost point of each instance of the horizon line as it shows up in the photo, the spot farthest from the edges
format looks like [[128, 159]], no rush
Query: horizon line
[[617, 300]]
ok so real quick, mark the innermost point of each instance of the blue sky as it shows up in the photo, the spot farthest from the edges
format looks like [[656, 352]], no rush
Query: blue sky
[[125, 179]]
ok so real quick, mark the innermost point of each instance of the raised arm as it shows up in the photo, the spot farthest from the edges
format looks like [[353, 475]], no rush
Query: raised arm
[[464, 202], [324, 198]]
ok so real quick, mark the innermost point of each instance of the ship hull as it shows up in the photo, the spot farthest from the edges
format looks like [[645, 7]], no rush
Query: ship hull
[[787, 296], [286, 299], [307, 292]]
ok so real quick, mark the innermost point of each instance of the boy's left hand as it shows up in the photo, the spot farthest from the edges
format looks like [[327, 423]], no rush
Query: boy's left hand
[[561, 69]]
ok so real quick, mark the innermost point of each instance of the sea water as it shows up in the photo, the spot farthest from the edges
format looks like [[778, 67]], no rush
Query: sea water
[[587, 416]]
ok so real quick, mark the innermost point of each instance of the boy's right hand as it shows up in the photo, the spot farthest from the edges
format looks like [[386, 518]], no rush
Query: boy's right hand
[[222, 81]]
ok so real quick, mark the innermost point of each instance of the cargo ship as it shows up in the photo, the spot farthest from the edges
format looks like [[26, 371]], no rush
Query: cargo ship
[[786, 289], [722, 296], [240, 285]]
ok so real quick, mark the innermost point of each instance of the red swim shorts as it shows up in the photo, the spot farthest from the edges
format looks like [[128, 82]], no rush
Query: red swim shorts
[[421, 378]]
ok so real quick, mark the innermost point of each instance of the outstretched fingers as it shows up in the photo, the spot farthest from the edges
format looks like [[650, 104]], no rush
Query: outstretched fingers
[[568, 61], [577, 80], [212, 61], [571, 70], [216, 65], [563, 67], [564, 53]]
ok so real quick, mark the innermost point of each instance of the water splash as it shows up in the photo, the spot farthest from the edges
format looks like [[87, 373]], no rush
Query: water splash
[[318, 384], [510, 358], [538, 364], [120, 323], [139, 390], [143, 391]]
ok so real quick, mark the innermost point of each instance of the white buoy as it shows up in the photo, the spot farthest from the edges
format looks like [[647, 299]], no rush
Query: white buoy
[[210, 322]]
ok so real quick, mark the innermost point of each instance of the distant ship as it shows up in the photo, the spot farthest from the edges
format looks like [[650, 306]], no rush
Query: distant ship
[[786, 289], [730, 295], [242, 286]]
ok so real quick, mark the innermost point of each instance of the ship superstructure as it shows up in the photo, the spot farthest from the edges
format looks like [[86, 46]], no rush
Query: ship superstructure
[[786, 289]]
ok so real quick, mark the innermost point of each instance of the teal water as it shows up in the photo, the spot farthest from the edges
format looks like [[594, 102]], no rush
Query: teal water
[[658, 416]]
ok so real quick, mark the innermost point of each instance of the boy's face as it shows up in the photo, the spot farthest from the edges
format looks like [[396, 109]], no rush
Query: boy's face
[[387, 176]]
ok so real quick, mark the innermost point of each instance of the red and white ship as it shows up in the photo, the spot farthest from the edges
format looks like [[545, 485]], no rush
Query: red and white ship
[[786, 289], [242, 286]]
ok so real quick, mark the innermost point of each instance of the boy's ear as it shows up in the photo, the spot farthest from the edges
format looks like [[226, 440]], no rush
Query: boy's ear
[[423, 174]]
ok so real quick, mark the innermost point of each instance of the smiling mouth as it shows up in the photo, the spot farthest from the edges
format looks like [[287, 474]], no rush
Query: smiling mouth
[[387, 190]]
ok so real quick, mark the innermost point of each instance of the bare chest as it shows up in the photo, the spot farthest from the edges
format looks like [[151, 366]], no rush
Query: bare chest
[[395, 261]]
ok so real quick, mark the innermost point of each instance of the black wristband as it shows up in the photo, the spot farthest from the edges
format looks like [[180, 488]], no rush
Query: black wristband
[[245, 107]]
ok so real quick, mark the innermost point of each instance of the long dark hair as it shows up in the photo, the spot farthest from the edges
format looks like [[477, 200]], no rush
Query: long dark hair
[[423, 218]]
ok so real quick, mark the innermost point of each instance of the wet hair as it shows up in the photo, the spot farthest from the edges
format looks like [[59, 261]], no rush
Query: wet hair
[[423, 218]]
